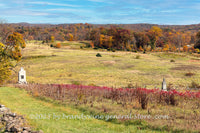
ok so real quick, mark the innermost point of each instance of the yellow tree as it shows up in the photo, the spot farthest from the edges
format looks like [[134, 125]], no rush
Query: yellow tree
[[101, 40], [4, 65], [52, 39], [166, 48], [157, 31], [9, 52], [110, 41], [13, 46], [71, 37], [153, 35]]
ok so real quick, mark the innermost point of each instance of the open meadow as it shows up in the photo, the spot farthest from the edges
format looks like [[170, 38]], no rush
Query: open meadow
[[70, 65], [64, 81]]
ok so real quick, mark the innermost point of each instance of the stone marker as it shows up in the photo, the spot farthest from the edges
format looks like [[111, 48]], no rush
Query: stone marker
[[164, 85], [22, 76]]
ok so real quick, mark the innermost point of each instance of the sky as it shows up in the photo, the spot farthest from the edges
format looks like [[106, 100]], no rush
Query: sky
[[171, 12]]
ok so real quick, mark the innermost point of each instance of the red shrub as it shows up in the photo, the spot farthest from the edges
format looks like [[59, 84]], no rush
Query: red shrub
[[80, 94]]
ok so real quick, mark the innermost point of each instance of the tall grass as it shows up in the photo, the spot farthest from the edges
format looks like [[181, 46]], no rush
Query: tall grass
[[91, 97]]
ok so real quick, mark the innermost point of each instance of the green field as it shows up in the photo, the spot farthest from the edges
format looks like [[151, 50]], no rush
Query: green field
[[114, 69], [19, 101]]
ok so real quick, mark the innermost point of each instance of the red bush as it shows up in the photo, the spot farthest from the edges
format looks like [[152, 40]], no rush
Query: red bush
[[80, 94]]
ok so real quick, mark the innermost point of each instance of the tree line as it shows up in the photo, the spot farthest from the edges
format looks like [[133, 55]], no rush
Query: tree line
[[149, 37], [152, 39]]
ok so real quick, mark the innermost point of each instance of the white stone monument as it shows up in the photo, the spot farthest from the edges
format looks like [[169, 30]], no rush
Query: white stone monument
[[22, 76], [164, 85]]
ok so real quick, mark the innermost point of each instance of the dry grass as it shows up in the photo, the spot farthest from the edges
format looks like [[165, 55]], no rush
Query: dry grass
[[49, 65], [185, 67], [166, 112], [117, 69]]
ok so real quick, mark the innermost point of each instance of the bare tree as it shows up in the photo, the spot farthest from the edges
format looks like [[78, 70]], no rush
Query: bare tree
[[5, 30]]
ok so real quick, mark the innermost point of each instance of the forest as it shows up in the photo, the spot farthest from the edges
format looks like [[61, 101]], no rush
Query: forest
[[127, 37]]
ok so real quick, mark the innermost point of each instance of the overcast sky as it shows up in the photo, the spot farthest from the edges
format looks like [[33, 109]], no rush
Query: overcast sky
[[101, 11]]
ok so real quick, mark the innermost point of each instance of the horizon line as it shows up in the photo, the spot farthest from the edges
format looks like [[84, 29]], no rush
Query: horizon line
[[103, 24]]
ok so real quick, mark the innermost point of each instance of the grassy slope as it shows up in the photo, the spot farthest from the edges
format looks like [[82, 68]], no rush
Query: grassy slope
[[22, 103], [113, 69]]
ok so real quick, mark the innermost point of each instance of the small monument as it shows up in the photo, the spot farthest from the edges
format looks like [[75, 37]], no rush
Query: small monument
[[22, 76], [164, 85]]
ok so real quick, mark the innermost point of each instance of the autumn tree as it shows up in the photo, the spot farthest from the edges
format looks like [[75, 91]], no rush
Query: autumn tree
[[58, 45], [110, 41], [121, 39], [4, 65], [166, 48], [106, 41], [95, 36], [52, 39], [5, 30], [92, 44], [180, 38], [71, 37], [185, 48], [141, 49], [141, 39], [30, 38], [197, 43], [173, 48], [101, 40], [193, 39], [10, 52], [161, 41], [153, 35]]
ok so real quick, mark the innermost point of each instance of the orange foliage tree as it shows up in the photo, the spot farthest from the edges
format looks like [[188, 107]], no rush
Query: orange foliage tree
[[173, 49], [166, 48], [185, 48], [92, 44], [141, 49], [58, 45]]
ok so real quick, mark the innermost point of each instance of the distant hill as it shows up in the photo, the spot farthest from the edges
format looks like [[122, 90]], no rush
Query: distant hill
[[134, 27]]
